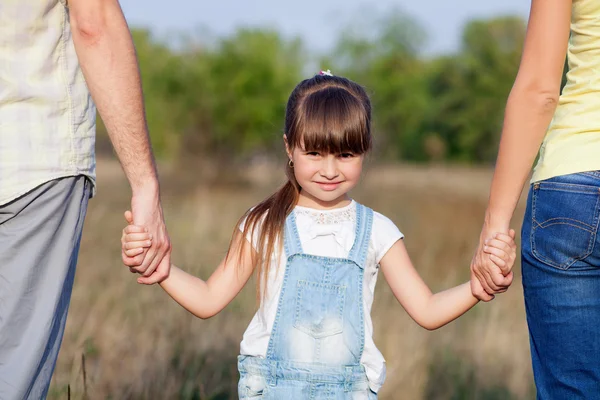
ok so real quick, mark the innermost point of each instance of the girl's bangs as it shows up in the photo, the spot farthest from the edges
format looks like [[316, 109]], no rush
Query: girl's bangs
[[333, 121]]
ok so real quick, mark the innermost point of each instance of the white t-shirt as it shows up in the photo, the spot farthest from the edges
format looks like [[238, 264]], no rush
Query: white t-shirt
[[328, 233]]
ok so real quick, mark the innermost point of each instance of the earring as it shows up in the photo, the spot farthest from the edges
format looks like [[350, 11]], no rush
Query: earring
[[291, 163]]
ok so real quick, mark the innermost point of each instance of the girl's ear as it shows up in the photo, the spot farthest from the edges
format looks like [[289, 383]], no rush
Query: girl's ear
[[287, 147]]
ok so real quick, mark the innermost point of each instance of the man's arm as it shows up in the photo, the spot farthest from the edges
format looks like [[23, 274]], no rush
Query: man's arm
[[107, 57]]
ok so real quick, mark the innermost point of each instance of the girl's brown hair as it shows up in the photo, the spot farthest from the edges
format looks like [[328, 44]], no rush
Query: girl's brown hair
[[328, 114]]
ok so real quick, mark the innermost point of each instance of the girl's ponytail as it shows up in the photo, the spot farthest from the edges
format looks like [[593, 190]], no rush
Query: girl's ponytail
[[269, 218]]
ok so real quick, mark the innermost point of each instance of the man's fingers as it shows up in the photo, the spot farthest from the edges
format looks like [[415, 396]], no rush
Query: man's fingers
[[160, 274], [159, 248], [132, 262], [149, 256], [138, 237], [147, 211], [163, 249], [134, 252], [137, 245]]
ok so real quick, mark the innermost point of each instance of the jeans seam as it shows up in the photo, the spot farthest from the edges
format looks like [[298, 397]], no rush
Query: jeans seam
[[594, 174], [588, 228], [274, 329], [568, 187], [536, 225]]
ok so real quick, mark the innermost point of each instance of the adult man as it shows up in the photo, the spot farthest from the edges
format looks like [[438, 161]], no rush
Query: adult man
[[47, 168]]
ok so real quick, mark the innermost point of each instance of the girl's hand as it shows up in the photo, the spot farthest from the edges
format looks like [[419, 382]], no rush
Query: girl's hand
[[502, 250], [134, 240]]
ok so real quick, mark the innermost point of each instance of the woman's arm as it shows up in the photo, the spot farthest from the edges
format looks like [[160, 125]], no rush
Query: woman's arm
[[529, 110], [429, 310]]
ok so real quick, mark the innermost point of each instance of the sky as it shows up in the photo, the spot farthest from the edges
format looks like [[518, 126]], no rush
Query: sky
[[318, 23]]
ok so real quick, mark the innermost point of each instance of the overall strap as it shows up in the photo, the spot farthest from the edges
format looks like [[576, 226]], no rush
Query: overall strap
[[362, 238], [291, 242]]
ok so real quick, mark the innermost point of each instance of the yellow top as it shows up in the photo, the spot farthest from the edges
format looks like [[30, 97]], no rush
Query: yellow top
[[572, 143]]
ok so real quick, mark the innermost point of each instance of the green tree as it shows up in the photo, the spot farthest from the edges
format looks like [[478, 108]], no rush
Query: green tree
[[471, 88], [251, 75], [384, 57], [225, 97]]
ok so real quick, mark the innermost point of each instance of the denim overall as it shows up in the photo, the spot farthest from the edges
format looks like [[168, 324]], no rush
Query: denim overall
[[318, 335]]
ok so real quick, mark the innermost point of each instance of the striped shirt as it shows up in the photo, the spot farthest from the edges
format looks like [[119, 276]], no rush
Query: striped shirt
[[47, 117]]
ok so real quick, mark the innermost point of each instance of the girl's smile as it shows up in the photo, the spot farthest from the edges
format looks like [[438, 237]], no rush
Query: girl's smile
[[324, 179]]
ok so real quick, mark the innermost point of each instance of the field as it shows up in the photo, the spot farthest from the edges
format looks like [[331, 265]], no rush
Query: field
[[127, 341]]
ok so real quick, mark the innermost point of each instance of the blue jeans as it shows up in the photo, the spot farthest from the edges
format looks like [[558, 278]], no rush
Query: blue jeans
[[561, 283]]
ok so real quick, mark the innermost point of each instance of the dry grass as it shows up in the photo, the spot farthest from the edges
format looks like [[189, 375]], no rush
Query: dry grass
[[138, 344]]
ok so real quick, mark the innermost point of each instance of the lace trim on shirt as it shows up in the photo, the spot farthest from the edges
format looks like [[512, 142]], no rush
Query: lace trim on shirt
[[329, 217]]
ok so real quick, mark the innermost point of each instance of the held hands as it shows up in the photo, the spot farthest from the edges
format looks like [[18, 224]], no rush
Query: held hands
[[154, 263], [135, 242], [491, 267]]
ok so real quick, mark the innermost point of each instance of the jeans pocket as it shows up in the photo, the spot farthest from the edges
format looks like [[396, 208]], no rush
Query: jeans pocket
[[564, 222], [319, 309], [251, 386]]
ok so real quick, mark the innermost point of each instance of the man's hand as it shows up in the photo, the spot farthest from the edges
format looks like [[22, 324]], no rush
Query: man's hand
[[154, 263], [107, 57]]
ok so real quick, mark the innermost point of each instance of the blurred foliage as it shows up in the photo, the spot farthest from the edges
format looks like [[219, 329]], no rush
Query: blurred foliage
[[226, 97]]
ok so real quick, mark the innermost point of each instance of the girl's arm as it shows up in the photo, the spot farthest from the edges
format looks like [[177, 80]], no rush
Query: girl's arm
[[529, 110], [204, 299], [429, 310]]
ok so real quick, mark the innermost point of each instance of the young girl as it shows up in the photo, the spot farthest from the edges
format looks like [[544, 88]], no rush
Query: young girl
[[316, 253]]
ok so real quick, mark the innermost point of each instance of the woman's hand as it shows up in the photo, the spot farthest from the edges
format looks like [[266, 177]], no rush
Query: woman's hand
[[491, 273]]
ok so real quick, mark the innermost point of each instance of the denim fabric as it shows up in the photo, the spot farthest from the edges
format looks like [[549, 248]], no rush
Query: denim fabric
[[264, 379], [318, 336], [561, 282]]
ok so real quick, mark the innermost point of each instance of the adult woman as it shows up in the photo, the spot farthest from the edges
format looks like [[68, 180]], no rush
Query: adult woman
[[560, 245]]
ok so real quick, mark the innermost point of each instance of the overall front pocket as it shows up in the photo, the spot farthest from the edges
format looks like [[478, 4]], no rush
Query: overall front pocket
[[564, 222], [251, 386], [319, 309]]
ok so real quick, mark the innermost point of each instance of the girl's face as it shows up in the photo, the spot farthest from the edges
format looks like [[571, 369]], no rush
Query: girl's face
[[325, 179]]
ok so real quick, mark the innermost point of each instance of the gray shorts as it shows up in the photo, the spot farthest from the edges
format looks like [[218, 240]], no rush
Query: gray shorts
[[40, 234]]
